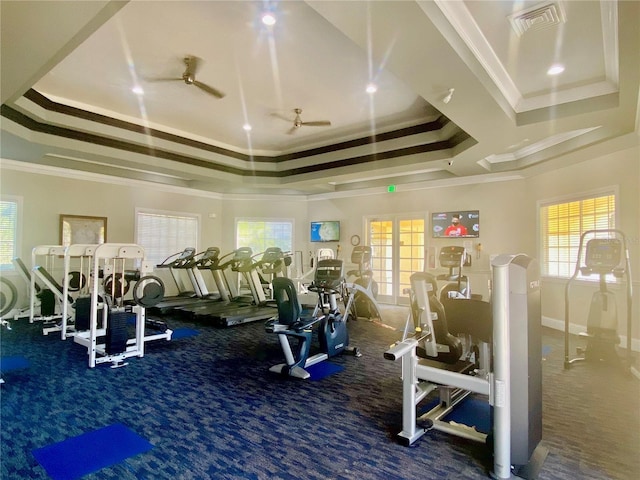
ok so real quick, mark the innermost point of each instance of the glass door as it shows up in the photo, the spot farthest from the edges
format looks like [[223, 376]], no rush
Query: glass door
[[398, 251], [381, 240]]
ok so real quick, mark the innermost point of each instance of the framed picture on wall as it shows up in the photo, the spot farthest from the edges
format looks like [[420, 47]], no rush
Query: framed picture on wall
[[78, 229]]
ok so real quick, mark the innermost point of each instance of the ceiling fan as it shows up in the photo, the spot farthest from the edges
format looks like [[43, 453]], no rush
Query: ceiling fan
[[297, 122], [189, 77]]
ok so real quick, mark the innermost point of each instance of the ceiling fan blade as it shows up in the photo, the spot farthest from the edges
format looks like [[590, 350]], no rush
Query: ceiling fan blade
[[281, 117], [321, 123], [203, 86], [162, 79], [292, 130]]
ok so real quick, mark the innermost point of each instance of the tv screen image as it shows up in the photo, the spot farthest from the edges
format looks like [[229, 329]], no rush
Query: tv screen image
[[460, 224], [325, 231]]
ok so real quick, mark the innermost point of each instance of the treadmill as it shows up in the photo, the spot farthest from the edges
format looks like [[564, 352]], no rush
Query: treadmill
[[184, 260], [241, 309]]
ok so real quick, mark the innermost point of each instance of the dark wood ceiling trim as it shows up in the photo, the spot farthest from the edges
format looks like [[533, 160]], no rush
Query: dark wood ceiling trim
[[42, 101], [33, 125], [47, 104], [358, 142]]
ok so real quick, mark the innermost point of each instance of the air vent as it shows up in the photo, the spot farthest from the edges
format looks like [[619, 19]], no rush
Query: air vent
[[535, 18]]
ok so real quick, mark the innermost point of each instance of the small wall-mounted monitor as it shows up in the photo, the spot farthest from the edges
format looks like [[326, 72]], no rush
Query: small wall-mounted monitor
[[325, 231], [461, 224]]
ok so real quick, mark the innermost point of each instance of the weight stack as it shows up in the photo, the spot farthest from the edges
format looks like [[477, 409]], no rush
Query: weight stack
[[83, 313], [47, 303], [117, 334]]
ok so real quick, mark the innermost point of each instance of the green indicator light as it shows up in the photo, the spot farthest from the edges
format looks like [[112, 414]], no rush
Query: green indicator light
[[391, 188]]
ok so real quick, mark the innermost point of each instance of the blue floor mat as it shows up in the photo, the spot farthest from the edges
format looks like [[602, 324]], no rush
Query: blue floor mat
[[179, 333], [87, 453], [13, 363], [323, 369], [473, 412]]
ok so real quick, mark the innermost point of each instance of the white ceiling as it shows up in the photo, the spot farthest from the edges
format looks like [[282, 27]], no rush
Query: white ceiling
[[505, 118]]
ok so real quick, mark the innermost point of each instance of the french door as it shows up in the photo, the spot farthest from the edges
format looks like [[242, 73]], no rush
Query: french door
[[398, 245]]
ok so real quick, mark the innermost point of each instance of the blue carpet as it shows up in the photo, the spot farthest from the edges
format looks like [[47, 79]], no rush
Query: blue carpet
[[179, 333], [90, 452], [323, 369], [13, 363], [473, 412]]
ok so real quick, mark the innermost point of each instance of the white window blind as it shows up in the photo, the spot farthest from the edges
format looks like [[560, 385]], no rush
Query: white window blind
[[164, 234], [8, 233], [564, 223]]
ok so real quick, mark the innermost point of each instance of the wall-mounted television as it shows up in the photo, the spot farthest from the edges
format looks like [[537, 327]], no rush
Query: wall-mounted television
[[325, 231], [460, 224]]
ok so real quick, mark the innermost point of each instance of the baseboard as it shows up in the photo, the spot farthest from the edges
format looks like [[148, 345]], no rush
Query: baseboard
[[575, 329]]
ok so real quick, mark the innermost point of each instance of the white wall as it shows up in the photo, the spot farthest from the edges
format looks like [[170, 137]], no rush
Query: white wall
[[508, 213]]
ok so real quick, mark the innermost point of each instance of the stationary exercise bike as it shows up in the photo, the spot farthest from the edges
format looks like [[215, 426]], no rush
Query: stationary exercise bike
[[606, 256], [331, 325]]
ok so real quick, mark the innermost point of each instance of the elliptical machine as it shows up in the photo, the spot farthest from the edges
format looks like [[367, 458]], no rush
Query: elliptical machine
[[366, 288], [333, 336], [458, 286], [605, 254]]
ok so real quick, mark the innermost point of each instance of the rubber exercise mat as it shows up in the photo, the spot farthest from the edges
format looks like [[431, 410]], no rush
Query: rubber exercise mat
[[323, 369], [179, 333], [87, 453], [474, 412], [13, 363]]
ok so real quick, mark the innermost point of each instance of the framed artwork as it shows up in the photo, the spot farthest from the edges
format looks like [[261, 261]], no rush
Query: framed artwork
[[78, 229]]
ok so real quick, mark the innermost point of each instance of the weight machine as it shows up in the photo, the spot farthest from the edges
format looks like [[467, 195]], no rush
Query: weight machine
[[108, 339], [50, 297], [605, 254], [76, 281], [513, 383]]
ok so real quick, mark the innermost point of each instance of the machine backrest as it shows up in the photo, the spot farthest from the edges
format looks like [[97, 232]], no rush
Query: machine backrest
[[286, 297], [426, 301], [469, 316]]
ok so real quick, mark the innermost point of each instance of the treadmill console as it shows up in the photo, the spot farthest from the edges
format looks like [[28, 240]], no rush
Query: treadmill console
[[451, 257], [329, 274]]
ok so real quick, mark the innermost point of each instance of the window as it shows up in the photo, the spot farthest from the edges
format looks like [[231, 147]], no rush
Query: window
[[564, 223], [163, 234], [9, 217], [262, 234]]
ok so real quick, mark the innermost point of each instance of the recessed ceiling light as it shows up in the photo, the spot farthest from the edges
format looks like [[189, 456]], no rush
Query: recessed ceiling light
[[556, 69], [246, 127], [372, 88], [269, 19], [138, 90]]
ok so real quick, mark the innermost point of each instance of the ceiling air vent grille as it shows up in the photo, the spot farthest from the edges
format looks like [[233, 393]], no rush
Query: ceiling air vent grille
[[535, 18]]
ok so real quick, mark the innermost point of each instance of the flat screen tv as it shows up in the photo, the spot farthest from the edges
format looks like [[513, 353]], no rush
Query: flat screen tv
[[460, 224], [325, 231]]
